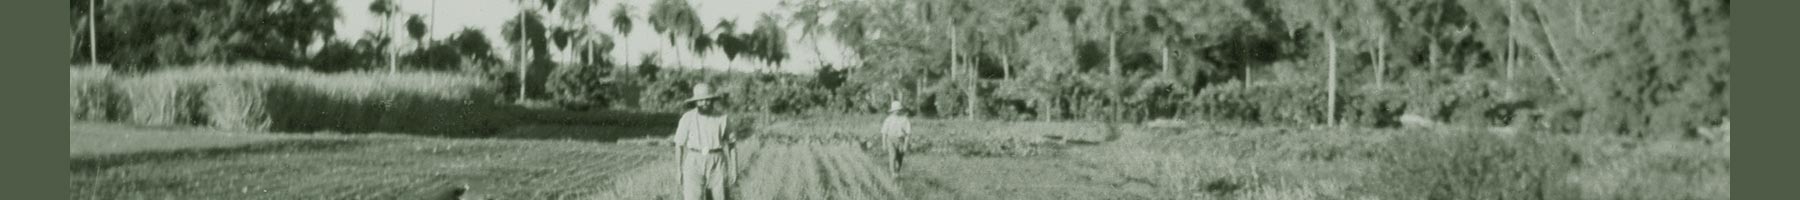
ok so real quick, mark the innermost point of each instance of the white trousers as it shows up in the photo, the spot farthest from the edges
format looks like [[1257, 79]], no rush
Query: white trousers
[[703, 172]]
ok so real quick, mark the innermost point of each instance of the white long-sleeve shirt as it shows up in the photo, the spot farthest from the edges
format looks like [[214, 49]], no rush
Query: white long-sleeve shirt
[[701, 132], [896, 126]]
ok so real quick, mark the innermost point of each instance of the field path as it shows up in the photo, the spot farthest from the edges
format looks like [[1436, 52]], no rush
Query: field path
[[815, 171], [780, 171]]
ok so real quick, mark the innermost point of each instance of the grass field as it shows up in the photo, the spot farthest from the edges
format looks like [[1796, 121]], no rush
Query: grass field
[[827, 158], [325, 166]]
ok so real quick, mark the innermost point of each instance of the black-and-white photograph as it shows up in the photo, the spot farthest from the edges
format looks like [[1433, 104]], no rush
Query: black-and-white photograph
[[899, 99]]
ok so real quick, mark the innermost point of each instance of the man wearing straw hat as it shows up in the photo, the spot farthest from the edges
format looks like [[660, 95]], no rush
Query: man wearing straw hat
[[704, 145], [893, 132]]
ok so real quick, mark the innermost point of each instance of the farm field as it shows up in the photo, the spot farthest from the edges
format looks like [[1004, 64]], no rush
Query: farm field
[[223, 166], [1012, 99], [829, 158]]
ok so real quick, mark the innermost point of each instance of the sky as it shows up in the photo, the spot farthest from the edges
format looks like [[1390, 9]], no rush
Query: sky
[[804, 55]]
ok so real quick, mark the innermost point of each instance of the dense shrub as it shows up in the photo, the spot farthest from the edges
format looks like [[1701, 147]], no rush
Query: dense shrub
[[163, 99], [255, 97], [93, 94], [237, 105], [1453, 163], [1474, 165], [581, 87], [1263, 102], [1480, 165]]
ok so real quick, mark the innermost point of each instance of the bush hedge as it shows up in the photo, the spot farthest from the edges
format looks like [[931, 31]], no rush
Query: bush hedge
[[255, 97]]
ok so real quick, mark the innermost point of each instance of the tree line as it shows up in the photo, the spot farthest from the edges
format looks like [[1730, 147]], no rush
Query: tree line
[[1607, 66], [1614, 66]]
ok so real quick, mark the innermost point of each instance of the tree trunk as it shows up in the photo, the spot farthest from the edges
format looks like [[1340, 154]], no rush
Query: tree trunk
[[1376, 56], [521, 58], [1246, 82], [1331, 79], [387, 27], [1511, 53], [1165, 58], [963, 72], [1511, 45], [1554, 78], [1581, 17], [1381, 62], [93, 38], [1549, 38], [1006, 66], [74, 42], [1544, 56], [625, 57], [972, 93], [1432, 58], [818, 53], [955, 55], [846, 54], [1112, 54]]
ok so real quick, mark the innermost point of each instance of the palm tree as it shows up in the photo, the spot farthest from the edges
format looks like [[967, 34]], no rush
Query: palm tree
[[386, 9], [769, 41], [415, 27], [621, 17], [520, 48], [723, 38], [574, 13], [847, 28], [809, 18], [675, 19]]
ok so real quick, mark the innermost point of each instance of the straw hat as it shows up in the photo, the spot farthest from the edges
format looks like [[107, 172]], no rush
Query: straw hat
[[702, 92], [894, 106]]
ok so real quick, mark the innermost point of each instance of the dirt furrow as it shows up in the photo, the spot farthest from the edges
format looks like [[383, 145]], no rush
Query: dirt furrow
[[838, 181], [763, 172], [880, 179], [795, 177], [776, 171], [816, 187], [857, 172]]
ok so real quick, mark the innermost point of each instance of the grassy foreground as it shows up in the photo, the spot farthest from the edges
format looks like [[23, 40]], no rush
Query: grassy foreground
[[828, 158], [1078, 160], [191, 164]]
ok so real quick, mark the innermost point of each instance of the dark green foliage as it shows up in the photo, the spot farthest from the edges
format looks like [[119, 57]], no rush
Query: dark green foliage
[[536, 37], [583, 87], [1273, 103], [141, 35], [339, 56], [561, 36], [674, 18], [648, 70], [465, 51], [621, 17], [828, 77], [1465, 165], [415, 27]]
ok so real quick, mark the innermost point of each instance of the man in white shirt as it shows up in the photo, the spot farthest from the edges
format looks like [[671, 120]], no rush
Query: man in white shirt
[[701, 137], [893, 132]]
